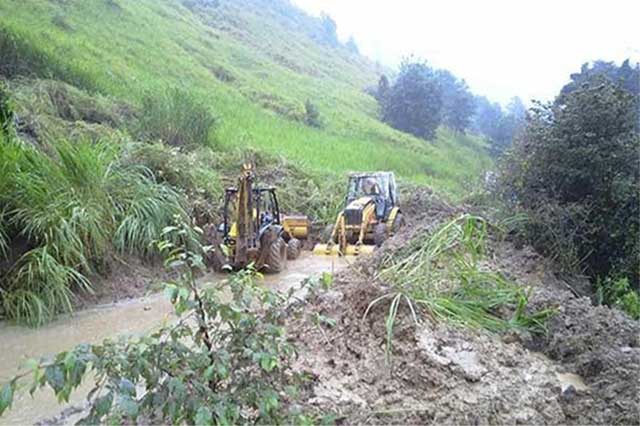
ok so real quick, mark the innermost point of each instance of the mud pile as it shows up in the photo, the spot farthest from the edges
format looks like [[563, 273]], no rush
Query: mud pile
[[585, 370]]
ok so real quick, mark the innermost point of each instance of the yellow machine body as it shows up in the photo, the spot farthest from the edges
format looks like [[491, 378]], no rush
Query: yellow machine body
[[355, 238], [296, 226]]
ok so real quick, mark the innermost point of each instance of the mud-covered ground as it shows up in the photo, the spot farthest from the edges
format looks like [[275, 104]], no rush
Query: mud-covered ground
[[585, 370]]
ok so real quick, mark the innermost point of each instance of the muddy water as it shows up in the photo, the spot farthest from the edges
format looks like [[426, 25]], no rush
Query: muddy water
[[132, 317]]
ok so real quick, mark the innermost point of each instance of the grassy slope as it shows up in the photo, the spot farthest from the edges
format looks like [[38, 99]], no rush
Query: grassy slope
[[125, 47]]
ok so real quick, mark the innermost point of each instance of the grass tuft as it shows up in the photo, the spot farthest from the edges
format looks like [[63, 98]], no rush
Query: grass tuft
[[440, 276], [74, 208], [177, 118]]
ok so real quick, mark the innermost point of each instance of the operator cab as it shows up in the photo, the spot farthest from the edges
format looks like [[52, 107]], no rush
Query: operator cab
[[380, 186], [265, 210]]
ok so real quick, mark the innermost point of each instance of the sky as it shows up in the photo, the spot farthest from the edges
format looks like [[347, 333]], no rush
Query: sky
[[501, 48]]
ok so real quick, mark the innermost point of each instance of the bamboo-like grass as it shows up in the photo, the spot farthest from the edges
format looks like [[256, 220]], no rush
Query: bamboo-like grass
[[75, 207], [440, 276]]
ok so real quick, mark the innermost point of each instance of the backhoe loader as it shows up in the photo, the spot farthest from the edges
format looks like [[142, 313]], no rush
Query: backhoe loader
[[253, 230], [370, 216]]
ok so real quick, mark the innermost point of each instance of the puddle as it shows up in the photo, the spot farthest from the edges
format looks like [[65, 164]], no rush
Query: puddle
[[131, 317], [570, 379]]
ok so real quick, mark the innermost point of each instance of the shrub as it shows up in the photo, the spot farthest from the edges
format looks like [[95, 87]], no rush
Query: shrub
[[177, 118], [576, 173], [74, 208], [311, 114], [618, 292]]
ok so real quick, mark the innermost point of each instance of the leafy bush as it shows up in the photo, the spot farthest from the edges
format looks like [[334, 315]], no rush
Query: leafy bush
[[74, 208], [618, 292], [222, 362], [576, 174], [311, 114], [177, 118]]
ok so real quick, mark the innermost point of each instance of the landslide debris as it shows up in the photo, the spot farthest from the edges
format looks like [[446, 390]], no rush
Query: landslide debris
[[445, 373]]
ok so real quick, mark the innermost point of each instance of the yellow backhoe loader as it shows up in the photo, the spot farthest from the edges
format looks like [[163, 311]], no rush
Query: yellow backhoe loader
[[371, 215], [253, 230]]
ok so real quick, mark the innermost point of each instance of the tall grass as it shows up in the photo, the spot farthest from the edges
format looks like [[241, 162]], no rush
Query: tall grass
[[74, 207], [180, 48], [176, 117], [440, 276]]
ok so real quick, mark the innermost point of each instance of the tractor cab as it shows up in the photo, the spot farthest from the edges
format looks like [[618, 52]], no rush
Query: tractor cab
[[378, 186], [264, 206]]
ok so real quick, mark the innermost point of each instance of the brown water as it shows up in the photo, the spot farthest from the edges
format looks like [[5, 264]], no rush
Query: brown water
[[132, 317]]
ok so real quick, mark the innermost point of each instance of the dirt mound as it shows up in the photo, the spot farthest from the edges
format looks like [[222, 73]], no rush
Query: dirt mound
[[442, 373]]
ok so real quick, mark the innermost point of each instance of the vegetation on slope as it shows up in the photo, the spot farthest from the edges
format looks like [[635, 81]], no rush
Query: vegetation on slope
[[254, 64]]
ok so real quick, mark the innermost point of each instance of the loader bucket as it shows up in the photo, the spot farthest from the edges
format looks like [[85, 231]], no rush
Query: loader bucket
[[326, 250], [354, 250], [334, 250]]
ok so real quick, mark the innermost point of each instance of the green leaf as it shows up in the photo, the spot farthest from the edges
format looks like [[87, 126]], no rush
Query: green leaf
[[326, 280], [128, 407], [55, 378], [203, 417], [127, 387], [103, 404], [6, 396], [268, 362]]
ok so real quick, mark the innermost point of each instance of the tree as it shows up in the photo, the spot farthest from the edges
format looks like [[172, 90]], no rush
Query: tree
[[328, 34], [625, 76], [499, 125], [352, 46], [382, 92], [458, 103], [414, 102], [576, 172]]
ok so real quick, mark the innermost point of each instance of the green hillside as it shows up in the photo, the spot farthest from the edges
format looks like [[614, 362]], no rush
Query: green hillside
[[254, 63]]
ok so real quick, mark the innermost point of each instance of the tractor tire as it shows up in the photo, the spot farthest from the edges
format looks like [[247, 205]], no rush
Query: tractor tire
[[379, 234], [276, 260], [398, 223], [294, 247]]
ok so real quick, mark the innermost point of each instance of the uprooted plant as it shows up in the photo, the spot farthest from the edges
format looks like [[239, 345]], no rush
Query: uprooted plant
[[440, 276], [225, 360]]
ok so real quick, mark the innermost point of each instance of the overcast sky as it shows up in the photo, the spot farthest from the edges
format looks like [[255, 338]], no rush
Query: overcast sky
[[501, 48]]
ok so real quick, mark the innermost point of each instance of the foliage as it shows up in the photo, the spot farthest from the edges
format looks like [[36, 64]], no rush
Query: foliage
[[276, 54], [177, 118], [618, 292], [225, 360], [74, 208], [625, 75], [500, 126], [440, 275], [457, 102], [195, 174], [414, 103], [575, 173], [21, 57], [352, 46], [6, 112], [311, 114]]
